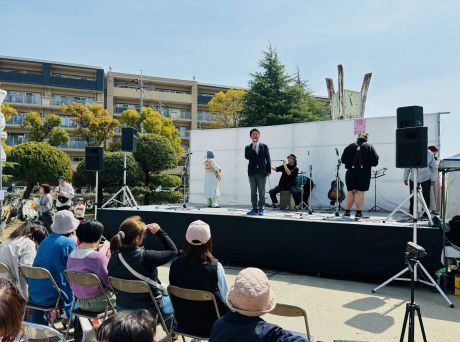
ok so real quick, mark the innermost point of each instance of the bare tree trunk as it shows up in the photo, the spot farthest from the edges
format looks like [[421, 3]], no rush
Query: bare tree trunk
[[28, 191]]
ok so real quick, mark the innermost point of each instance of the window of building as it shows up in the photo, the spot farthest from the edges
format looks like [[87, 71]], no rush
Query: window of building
[[17, 119], [74, 143], [184, 132], [16, 138], [67, 122], [75, 77], [121, 107], [29, 72], [14, 96], [174, 91], [179, 113], [68, 99], [76, 160]]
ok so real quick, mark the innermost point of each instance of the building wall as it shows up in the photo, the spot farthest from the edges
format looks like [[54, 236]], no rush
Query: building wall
[[41, 86]]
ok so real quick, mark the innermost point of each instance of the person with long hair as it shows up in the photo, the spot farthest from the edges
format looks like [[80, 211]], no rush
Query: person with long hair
[[196, 268], [211, 180], [289, 172], [45, 206], [20, 249], [12, 309], [127, 245]]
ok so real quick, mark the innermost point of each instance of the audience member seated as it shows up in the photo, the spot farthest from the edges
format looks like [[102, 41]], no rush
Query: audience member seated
[[86, 258], [126, 244], [12, 308], [249, 298], [128, 326], [52, 254], [196, 268], [20, 249]]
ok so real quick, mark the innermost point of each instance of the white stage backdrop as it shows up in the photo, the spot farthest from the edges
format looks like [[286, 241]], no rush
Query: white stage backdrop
[[320, 138]]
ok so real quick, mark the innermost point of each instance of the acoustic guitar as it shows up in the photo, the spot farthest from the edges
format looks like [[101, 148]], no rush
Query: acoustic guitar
[[335, 193]]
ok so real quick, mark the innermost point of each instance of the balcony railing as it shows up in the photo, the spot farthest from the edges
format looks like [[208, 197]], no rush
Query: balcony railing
[[205, 116], [74, 145], [23, 97], [14, 139], [16, 120], [67, 100]]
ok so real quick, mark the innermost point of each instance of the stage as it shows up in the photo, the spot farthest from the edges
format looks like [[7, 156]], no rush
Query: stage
[[318, 244]]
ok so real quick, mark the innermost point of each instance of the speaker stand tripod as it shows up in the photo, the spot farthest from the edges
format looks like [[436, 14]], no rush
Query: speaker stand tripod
[[416, 192], [128, 199], [431, 282]]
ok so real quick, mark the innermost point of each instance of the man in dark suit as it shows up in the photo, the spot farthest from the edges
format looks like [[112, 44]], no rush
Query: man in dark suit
[[259, 168]]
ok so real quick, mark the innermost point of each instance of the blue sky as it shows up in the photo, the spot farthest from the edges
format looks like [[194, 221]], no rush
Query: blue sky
[[412, 47]]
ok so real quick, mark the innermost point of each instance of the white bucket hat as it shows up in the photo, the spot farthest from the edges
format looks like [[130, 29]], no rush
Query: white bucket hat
[[251, 295], [64, 222]]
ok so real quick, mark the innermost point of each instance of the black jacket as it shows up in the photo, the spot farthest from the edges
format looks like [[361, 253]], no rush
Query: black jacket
[[259, 163], [364, 158], [145, 262]]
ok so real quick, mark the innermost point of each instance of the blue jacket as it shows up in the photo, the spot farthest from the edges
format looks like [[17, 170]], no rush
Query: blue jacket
[[235, 327], [52, 254]]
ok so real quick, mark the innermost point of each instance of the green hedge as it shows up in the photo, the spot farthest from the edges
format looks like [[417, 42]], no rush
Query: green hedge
[[166, 181]]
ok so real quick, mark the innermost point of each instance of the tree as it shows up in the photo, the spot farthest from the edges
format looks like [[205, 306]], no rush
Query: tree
[[37, 162], [8, 111], [227, 107], [274, 97], [112, 175], [154, 153], [95, 123], [150, 121], [47, 128]]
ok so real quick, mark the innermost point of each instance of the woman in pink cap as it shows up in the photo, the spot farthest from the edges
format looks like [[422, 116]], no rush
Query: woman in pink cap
[[249, 298], [196, 268]]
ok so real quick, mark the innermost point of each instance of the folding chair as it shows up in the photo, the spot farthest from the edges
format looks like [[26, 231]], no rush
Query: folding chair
[[286, 310], [87, 279], [5, 269], [137, 286], [40, 332], [42, 273], [194, 296]]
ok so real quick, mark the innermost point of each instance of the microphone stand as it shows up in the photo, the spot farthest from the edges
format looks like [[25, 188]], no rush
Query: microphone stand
[[310, 174], [337, 184]]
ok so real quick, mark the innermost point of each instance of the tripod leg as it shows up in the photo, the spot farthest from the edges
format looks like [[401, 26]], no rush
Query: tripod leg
[[422, 328], [398, 208], [391, 279], [435, 285], [403, 330]]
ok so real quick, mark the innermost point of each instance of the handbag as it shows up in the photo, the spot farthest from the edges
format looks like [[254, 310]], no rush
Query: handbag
[[149, 281]]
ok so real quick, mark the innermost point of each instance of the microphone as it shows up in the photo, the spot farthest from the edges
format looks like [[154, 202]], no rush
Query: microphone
[[337, 151]]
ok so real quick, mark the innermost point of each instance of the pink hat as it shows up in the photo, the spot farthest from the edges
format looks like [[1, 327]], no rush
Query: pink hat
[[198, 233], [251, 295]]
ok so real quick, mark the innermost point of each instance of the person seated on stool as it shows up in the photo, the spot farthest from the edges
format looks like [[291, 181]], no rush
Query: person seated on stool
[[287, 181]]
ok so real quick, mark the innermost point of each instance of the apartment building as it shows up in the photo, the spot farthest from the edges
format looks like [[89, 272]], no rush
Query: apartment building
[[42, 86], [184, 101]]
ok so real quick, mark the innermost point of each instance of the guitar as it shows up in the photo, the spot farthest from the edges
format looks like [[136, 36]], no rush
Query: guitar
[[336, 193]]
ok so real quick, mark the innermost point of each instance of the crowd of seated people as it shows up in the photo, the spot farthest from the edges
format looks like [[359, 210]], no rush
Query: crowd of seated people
[[194, 268]]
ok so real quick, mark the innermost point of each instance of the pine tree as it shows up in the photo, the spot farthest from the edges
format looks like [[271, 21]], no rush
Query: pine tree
[[275, 97]]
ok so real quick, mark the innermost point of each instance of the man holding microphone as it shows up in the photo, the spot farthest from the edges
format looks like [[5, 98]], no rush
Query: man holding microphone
[[259, 167]]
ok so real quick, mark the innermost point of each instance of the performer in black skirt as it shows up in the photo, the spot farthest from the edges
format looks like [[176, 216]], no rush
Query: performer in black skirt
[[358, 158]]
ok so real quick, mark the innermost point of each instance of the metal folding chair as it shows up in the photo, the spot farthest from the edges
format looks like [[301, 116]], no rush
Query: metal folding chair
[[194, 296], [87, 279], [42, 273], [40, 332], [137, 286], [287, 310]]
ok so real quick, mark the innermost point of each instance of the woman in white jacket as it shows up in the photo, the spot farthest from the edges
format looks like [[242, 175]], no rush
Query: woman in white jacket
[[20, 249]]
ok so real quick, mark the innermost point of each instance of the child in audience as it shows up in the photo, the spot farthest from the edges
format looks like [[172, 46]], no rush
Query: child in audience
[[52, 254], [12, 308], [249, 298], [196, 268], [80, 209], [128, 326], [86, 258], [20, 249], [126, 245]]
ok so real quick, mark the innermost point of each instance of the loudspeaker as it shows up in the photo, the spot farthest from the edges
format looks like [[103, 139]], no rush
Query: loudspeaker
[[411, 147], [94, 158], [128, 139], [411, 116]]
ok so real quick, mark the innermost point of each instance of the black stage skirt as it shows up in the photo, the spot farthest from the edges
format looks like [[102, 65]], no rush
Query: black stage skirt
[[358, 179]]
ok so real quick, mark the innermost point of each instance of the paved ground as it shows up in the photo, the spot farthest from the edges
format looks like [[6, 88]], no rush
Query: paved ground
[[346, 310]]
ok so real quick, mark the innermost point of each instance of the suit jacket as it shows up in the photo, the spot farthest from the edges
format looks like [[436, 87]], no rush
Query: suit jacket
[[259, 163]]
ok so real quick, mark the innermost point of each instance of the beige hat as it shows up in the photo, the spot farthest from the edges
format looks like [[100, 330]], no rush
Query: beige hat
[[64, 222], [251, 295], [198, 233]]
